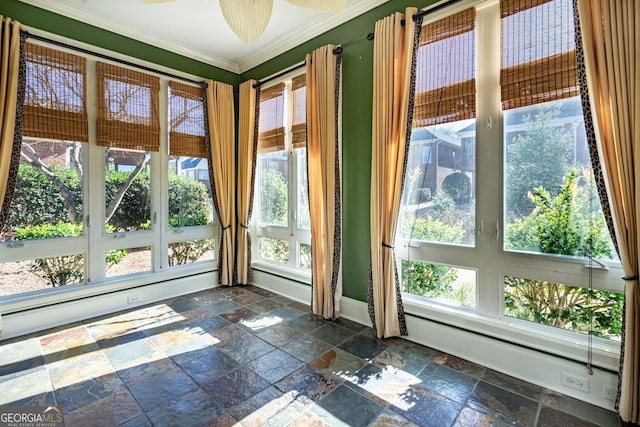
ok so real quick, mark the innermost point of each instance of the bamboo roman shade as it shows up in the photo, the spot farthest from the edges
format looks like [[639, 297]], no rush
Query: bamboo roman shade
[[445, 71], [186, 121], [299, 124], [271, 130], [128, 108], [538, 52], [55, 96]]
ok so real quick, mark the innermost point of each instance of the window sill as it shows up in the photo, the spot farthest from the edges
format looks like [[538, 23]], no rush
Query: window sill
[[565, 344], [297, 275]]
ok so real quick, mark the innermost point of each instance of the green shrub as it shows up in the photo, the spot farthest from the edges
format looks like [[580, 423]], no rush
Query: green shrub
[[188, 202], [187, 252], [274, 197], [458, 186]]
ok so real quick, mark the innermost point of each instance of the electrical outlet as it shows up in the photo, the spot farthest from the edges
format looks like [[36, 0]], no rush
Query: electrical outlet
[[574, 381], [134, 299], [609, 393]]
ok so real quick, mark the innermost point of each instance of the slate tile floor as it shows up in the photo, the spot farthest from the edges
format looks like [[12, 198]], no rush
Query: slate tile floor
[[245, 356]]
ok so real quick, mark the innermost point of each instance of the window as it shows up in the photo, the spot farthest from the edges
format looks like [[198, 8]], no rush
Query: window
[[281, 210], [108, 202], [500, 219]]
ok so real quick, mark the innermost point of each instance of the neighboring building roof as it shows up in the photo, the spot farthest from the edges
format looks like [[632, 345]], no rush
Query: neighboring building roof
[[190, 163]]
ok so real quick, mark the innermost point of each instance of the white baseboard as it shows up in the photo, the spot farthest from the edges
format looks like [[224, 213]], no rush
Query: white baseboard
[[520, 362], [38, 319]]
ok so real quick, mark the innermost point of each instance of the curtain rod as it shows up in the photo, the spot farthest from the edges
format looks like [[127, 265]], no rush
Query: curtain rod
[[423, 12], [336, 51], [111, 58]]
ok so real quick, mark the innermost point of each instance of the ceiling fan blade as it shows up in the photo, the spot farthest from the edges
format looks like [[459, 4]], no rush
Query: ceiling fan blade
[[322, 6], [247, 18]]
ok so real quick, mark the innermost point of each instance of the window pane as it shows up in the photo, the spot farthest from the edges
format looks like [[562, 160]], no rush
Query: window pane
[[305, 256], [127, 190], [551, 202], [438, 204], [304, 221], [43, 273], [442, 283], [273, 197], [122, 262], [562, 306], [274, 249], [181, 253], [190, 201]]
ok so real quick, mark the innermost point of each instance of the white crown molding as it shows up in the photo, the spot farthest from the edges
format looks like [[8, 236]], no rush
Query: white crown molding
[[280, 46], [289, 42], [132, 33]]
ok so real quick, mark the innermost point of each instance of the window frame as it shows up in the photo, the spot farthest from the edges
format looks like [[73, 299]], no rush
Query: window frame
[[95, 240], [488, 257]]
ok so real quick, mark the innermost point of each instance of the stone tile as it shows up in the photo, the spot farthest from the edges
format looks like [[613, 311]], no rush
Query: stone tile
[[228, 335], [364, 347], [67, 344], [332, 333], [221, 307], [203, 320], [307, 419], [196, 406], [88, 391], [284, 313], [209, 367], [139, 421], [550, 417], [193, 349], [160, 389], [596, 415], [182, 304], [264, 305], [233, 291], [282, 299], [470, 418], [390, 419], [503, 405], [462, 365], [111, 411], [24, 385], [307, 385], [257, 410], [248, 349], [305, 308], [236, 387], [338, 364], [261, 322], [339, 406], [206, 298], [306, 348], [279, 335], [383, 384], [406, 359], [78, 369], [223, 420], [350, 324], [20, 355], [248, 298], [275, 365], [515, 385], [426, 408], [172, 336], [307, 322], [448, 382], [238, 315], [126, 355], [42, 399], [144, 371], [264, 293]]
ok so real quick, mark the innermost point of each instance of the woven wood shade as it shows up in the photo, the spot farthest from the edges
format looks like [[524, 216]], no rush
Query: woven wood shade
[[299, 125], [445, 69], [55, 95], [186, 121], [271, 128], [538, 52], [128, 108]]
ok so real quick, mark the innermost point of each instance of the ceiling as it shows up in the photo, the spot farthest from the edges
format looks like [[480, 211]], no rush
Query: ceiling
[[197, 29]]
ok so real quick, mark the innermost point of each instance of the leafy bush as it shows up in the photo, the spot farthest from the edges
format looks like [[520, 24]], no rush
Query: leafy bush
[[187, 252], [273, 196], [64, 269], [458, 186], [188, 202], [430, 280], [135, 207]]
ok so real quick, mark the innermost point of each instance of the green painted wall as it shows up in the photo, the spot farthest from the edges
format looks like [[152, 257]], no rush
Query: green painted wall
[[39, 18], [357, 69], [357, 99]]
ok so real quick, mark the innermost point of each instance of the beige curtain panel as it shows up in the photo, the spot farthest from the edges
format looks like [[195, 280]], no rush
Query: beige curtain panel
[[220, 119], [393, 52], [247, 147], [610, 39], [10, 46], [323, 165]]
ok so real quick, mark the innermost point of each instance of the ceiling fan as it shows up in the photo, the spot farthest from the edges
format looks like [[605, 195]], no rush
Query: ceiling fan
[[249, 18]]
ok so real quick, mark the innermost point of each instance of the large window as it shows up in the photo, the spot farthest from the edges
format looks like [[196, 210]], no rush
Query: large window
[[281, 210], [112, 202], [500, 218]]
